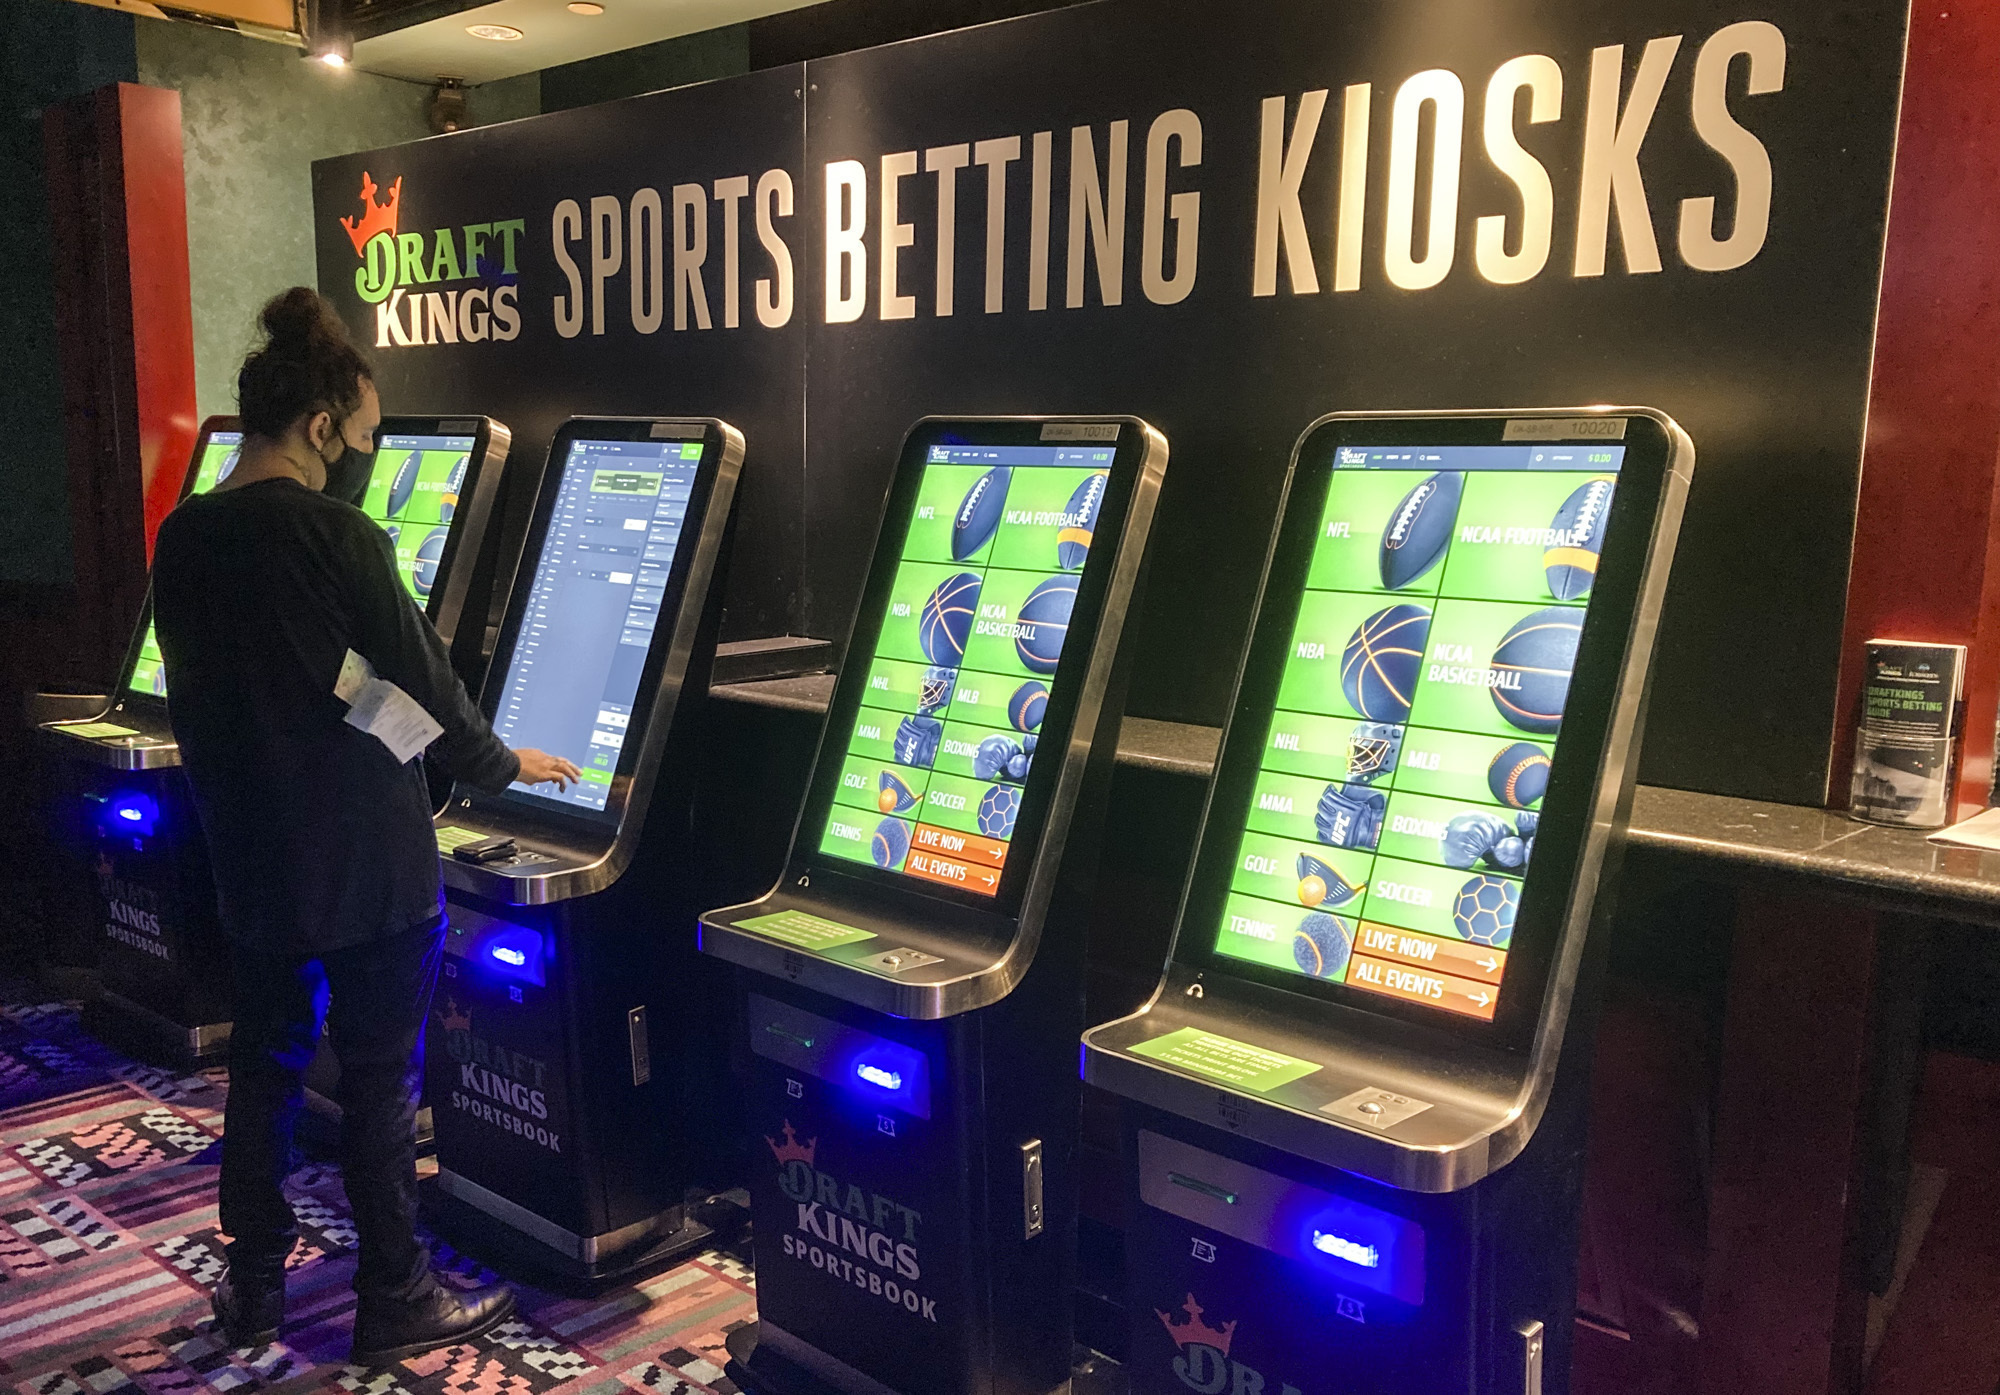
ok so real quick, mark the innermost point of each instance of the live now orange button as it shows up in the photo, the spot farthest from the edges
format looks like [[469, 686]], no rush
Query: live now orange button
[[964, 847], [1481, 962], [1419, 986]]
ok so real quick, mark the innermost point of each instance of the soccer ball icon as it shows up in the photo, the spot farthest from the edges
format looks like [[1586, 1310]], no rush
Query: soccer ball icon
[[997, 809], [1484, 910]]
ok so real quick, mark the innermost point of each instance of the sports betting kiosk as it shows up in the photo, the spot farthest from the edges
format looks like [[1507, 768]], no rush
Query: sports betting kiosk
[[557, 1141], [431, 488], [1354, 1132], [916, 976]]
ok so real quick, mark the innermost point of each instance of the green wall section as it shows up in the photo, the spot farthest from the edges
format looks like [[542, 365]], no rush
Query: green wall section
[[49, 52], [713, 53], [254, 116]]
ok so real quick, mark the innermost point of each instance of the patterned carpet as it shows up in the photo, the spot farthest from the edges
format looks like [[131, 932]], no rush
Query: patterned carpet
[[108, 1246]]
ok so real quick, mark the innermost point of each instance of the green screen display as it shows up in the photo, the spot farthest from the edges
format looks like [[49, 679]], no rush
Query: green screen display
[[217, 459], [1393, 817], [412, 492], [960, 675]]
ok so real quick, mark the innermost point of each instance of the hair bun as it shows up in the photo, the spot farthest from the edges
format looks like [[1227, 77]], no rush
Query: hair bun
[[306, 364], [299, 319]]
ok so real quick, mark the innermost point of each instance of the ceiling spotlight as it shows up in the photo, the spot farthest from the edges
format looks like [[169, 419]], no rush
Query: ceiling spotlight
[[499, 33], [327, 35], [585, 7]]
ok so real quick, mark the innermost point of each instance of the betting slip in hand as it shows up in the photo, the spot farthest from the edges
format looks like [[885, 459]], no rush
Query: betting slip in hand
[[383, 710]]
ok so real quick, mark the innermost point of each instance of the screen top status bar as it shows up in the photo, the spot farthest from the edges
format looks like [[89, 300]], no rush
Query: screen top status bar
[[1589, 456], [1069, 456], [423, 443]]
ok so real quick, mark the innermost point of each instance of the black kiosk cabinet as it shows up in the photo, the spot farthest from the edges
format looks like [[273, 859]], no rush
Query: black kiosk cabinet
[[431, 488], [1354, 1129], [556, 1139], [915, 985]]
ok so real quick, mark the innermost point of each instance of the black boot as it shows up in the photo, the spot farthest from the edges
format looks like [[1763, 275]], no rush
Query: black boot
[[249, 1307], [386, 1332]]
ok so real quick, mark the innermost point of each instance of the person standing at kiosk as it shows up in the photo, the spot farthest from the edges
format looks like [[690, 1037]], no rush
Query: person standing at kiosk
[[302, 682]]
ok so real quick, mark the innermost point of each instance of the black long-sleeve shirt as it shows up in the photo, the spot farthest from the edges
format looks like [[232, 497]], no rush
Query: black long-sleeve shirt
[[318, 837]]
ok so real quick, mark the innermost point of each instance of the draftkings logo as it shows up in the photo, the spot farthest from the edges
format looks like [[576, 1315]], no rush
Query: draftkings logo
[[398, 267], [1203, 1362], [855, 1237], [496, 1085]]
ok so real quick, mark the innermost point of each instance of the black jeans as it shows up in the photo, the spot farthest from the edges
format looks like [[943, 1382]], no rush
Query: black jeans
[[381, 995]]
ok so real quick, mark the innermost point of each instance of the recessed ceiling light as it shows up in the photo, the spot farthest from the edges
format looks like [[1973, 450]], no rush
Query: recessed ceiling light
[[585, 7], [333, 60], [499, 33]]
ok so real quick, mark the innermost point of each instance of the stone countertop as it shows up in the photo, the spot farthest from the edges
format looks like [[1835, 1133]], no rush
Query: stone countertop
[[1821, 850]]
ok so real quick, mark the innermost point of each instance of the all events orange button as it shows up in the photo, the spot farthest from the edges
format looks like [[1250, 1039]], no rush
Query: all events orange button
[[960, 847], [1480, 962], [984, 880], [1421, 986]]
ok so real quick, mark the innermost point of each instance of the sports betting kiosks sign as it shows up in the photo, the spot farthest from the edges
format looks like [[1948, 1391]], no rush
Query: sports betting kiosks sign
[[1229, 220]]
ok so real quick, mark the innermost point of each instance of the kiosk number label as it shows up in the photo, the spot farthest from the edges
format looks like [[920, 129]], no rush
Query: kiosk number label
[[1392, 822]]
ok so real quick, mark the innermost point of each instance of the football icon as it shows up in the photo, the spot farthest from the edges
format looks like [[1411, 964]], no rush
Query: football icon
[[404, 484], [979, 512], [430, 552], [1026, 708], [395, 532], [1570, 563], [1532, 666], [1519, 774], [1080, 522], [1379, 667], [893, 793], [891, 841], [1043, 624], [448, 502], [1322, 944], [946, 621], [228, 465], [1419, 530], [1484, 910], [998, 808]]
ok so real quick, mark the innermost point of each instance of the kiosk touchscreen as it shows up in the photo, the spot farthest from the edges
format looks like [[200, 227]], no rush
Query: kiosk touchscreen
[[432, 488], [915, 984], [556, 1138], [1354, 1133]]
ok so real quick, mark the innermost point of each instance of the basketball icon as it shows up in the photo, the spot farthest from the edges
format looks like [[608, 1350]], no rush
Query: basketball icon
[[1379, 667], [1043, 624], [946, 621]]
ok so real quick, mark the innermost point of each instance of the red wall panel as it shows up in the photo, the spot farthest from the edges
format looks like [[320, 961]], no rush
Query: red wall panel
[[1924, 563]]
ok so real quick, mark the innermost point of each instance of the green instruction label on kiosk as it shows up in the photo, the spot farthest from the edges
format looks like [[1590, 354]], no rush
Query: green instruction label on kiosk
[[1392, 823]]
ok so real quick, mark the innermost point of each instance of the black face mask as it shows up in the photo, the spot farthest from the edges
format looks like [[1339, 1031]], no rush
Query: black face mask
[[347, 477]]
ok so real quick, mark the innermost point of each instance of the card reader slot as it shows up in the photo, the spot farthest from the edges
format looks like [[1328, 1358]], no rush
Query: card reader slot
[[1195, 1184]]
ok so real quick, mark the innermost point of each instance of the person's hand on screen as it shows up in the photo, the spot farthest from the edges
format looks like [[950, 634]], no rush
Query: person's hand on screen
[[539, 768]]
